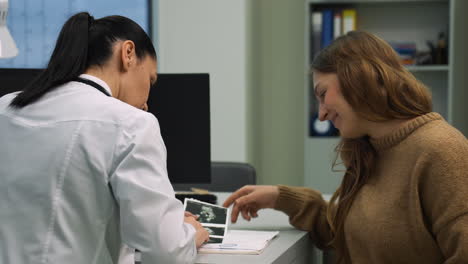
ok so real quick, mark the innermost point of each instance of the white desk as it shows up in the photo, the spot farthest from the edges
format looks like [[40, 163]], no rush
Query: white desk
[[290, 246]]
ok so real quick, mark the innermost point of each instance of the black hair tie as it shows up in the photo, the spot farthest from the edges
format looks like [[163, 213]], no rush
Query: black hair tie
[[90, 21]]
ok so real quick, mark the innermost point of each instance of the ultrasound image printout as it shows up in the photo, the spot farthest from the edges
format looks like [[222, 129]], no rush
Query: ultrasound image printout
[[209, 214], [215, 231], [212, 217]]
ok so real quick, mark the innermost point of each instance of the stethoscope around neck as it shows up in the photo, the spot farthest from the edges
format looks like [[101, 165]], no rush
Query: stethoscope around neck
[[93, 84]]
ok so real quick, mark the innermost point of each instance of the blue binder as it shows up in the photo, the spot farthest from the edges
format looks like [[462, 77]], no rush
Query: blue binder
[[327, 27]]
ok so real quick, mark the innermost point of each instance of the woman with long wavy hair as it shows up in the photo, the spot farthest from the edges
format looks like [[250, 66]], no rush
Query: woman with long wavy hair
[[404, 193]]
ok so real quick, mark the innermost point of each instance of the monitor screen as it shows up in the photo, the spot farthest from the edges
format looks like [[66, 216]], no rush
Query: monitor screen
[[13, 80], [181, 102]]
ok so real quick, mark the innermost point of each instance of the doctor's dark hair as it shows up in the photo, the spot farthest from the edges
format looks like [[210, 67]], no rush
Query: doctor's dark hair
[[84, 42], [379, 88]]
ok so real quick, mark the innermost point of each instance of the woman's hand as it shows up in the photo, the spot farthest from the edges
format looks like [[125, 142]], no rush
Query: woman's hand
[[201, 235], [251, 198]]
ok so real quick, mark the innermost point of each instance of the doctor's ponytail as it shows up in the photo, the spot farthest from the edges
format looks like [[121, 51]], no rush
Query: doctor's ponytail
[[84, 42], [68, 60]]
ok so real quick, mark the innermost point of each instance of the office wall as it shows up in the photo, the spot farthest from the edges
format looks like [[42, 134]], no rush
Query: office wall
[[254, 53], [209, 36], [276, 95]]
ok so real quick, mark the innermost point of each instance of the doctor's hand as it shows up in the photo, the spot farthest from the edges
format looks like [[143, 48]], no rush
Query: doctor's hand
[[187, 214], [251, 198], [201, 235]]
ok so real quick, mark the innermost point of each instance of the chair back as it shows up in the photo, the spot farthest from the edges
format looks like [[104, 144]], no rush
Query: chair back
[[225, 177]]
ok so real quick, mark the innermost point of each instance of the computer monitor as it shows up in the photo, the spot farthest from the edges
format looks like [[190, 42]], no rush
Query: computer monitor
[[12, 80], [181, 102]]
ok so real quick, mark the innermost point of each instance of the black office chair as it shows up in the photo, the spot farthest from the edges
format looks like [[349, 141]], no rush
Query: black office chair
[[225, 177]]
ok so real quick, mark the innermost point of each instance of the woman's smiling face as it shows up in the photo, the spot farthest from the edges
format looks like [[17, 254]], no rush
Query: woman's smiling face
[[333, 106]]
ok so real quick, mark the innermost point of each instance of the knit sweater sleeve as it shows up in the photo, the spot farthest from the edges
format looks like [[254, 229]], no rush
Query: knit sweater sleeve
[[444, 197], [307, 211]]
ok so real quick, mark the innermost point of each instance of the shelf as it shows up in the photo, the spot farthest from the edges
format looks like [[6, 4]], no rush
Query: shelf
[[427, 68], [326, 2]]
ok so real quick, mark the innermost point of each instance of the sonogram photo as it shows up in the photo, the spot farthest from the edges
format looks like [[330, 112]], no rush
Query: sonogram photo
[[206, 213]]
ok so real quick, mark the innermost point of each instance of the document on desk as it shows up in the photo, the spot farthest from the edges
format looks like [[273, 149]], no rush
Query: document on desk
[[247, 242]]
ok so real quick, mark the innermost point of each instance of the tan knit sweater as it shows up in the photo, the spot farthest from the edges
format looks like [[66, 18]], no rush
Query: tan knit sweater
[[413, 210]]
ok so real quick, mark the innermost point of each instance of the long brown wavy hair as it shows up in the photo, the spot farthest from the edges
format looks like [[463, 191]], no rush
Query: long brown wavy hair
[[379, 88]]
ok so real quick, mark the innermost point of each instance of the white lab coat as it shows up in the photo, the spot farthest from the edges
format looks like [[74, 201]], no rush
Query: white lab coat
[[80, 174]]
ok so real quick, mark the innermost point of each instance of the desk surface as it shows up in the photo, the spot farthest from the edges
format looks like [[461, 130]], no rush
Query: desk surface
[[290, 246]]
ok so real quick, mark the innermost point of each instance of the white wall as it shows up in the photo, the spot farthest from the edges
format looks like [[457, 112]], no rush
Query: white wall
[[210, 36]]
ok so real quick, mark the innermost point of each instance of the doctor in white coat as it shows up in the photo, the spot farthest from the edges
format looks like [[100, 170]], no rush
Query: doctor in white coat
[[82, 167]]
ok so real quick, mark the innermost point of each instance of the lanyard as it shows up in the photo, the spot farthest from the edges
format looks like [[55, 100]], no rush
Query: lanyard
[[93, 84]]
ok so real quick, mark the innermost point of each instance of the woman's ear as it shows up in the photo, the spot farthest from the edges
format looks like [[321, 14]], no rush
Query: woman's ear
[[128, 55]]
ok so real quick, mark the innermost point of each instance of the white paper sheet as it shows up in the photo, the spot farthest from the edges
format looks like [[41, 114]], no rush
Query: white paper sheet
[[241, 242]]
